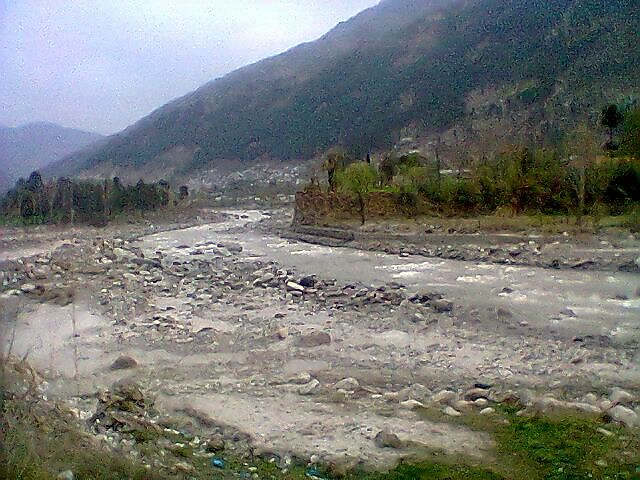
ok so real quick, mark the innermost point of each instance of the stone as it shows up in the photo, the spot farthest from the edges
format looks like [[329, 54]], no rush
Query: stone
[[590, 398], [546, 404], [386, 439], [296, 287], [184, 467], [451, 412], [28, 288], [347, 384], [411, 404], [474, 394], [444, 397], [442, 305], [605, 405], [215, 443], [124, 362], [481, 402], [308, 282], [583, 407], [281, 333], [620, 397], [487, 411], [309, 388], [624, 415], [300, 379], [313, 339], [66, 475]]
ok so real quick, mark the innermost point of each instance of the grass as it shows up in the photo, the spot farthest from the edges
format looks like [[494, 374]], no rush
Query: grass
[[561, 447]]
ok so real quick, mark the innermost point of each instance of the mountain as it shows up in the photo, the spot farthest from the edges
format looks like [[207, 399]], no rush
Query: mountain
[[470, 73], [31, 147]]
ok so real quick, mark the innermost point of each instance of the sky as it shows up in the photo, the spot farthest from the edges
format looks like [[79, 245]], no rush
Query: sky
[[101, 65]]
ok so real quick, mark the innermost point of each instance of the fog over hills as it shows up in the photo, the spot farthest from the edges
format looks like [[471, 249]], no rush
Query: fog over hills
[[36, 145]]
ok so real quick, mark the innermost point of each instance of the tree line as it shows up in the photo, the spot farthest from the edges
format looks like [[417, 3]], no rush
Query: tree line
[[62, 200], [580, 176]]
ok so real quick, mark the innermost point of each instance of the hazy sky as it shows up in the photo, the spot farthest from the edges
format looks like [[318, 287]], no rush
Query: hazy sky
[[100, 65]]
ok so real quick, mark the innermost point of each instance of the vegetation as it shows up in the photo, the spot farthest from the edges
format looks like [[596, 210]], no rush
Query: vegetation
[[358, 179], [34, 201], [578, 178], [41, 439]]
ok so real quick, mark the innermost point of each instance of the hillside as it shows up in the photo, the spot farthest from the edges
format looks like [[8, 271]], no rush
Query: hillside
[[475, 73], [36, 145]]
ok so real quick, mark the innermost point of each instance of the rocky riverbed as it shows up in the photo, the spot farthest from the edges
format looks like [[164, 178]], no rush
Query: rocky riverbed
[[259, 344]]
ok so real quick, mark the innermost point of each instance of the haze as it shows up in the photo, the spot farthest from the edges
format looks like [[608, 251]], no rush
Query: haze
[[100, 66]]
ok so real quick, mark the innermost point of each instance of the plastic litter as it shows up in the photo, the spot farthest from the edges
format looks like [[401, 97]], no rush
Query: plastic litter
[[314, 474]]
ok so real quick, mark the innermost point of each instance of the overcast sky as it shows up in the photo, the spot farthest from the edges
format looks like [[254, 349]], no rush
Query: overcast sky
[[100, 65]]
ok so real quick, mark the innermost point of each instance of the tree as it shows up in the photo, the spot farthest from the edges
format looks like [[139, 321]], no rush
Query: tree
[[630, 141], [335, 160], [358, 179], [581, 149], [611, 118]]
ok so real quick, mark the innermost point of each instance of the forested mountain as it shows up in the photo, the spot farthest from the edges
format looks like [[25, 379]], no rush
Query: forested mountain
[[473, 73], [36, 145]]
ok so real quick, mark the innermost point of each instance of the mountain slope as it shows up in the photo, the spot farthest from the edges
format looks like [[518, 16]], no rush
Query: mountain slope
[[36, 145], [462, 69]]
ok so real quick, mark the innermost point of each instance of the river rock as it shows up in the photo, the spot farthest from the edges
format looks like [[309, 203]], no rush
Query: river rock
[[386, 439], [451, 412], [487, 411], [281, 333], [411, 404], [309, 388], [313, 339], [444, 397], [124, 362], [442, 305], [620, 397], [295, 287], [625, 416], [308, 282], [215, 443], [347, 384]]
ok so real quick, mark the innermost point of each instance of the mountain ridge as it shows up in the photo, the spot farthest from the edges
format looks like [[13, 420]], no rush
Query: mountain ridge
[[457, 69]]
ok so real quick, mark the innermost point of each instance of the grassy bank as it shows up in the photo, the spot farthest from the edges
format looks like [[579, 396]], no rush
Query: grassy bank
[[40, 440]]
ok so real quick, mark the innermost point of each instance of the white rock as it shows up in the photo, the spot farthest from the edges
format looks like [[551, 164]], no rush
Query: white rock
[[411, 404], [295, 287], [444, 397], [487, 411], [624, 415], [481, 402], [452, 412], [620, 397]]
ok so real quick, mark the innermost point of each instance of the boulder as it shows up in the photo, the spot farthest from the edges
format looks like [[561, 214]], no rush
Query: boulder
[[124, 362], [386, 439], [347, 384]]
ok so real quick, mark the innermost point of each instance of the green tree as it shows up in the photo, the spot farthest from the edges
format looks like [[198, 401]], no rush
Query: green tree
[[358, 179]]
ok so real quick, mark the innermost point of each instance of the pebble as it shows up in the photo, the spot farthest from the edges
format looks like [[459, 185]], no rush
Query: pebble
[[444, 397], [487, 411]]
